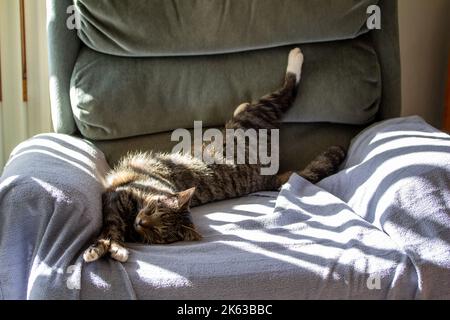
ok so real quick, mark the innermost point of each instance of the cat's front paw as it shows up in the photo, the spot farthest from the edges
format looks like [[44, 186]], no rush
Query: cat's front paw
[[92, 254], [295, 63], [97, 250], [118, 252]]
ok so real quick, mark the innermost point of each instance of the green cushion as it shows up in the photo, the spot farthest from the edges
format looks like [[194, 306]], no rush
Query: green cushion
[[114, 97], [186, 27], [310, 140]]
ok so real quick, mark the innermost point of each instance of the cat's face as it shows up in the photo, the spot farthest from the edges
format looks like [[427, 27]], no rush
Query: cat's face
[[166, 219]]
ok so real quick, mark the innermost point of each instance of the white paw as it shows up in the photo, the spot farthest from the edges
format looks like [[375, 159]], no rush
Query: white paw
[[119, 253], [241, 108], [295, 63], [91, 254]]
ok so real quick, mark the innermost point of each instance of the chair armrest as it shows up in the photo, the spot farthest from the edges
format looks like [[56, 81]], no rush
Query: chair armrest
[[64, 46], [50, 208]]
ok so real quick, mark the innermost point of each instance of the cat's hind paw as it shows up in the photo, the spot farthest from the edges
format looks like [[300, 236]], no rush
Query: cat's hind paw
[[242, 108], [295, 63]]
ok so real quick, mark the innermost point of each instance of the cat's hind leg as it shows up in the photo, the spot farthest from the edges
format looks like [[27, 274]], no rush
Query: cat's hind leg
[[323, 166], [242, 108], [268, 111], [295, 64], [110, 240]]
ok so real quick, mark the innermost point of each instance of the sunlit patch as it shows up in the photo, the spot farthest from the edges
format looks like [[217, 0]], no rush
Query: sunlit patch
[[228, 218], [401, 140], [73, 142], [50, 154], [8, 181], [52, 190], [41, 270], [159, 277], [408, 134], [99, 282], [321, 198], [251, 208], [36, 142], [315, 268], [140, 162]]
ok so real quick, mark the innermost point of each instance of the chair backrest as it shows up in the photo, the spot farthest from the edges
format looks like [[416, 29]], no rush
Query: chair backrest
[[135, 70]]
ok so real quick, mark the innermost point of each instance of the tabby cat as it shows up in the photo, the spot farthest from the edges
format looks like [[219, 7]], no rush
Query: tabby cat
[[149, 195]]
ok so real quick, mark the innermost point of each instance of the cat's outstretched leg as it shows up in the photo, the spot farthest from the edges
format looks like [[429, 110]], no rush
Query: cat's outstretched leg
[[268, 111], [326, 164], [102, 247], [295, 64], [112, 237], [242, 108]]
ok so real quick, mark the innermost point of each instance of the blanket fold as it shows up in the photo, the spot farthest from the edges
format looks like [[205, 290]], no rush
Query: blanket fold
[[379, 229]]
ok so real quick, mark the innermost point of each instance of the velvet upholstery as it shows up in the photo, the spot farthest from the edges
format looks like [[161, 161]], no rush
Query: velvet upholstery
[[67, 50], [64, 46], [115, 97], [197, 27], [310, 139]]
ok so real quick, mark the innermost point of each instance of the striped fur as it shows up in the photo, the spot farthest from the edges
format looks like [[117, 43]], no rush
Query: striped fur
[[149, 195]]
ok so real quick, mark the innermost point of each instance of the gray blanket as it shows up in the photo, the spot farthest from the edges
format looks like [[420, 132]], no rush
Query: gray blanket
[[380, 229], [397, 178]]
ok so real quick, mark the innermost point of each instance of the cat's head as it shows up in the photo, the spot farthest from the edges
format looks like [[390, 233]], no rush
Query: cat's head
[[165, 219]]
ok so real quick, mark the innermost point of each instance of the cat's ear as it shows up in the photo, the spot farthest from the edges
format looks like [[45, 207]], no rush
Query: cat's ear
[[184, 199]]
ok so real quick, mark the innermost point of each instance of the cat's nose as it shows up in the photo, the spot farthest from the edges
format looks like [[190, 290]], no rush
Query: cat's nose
[[139, 222]]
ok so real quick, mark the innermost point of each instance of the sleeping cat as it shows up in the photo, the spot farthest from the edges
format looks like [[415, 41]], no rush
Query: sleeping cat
[[149, 195]]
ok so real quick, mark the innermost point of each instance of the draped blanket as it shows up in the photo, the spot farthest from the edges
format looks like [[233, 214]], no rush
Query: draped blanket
[[379, 229]]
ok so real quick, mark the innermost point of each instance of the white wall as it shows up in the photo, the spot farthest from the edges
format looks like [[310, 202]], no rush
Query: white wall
[[20, 120], [13, 109], [424, 44]]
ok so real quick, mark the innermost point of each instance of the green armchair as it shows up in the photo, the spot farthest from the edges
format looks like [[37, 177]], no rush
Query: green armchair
[[135, 70]]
